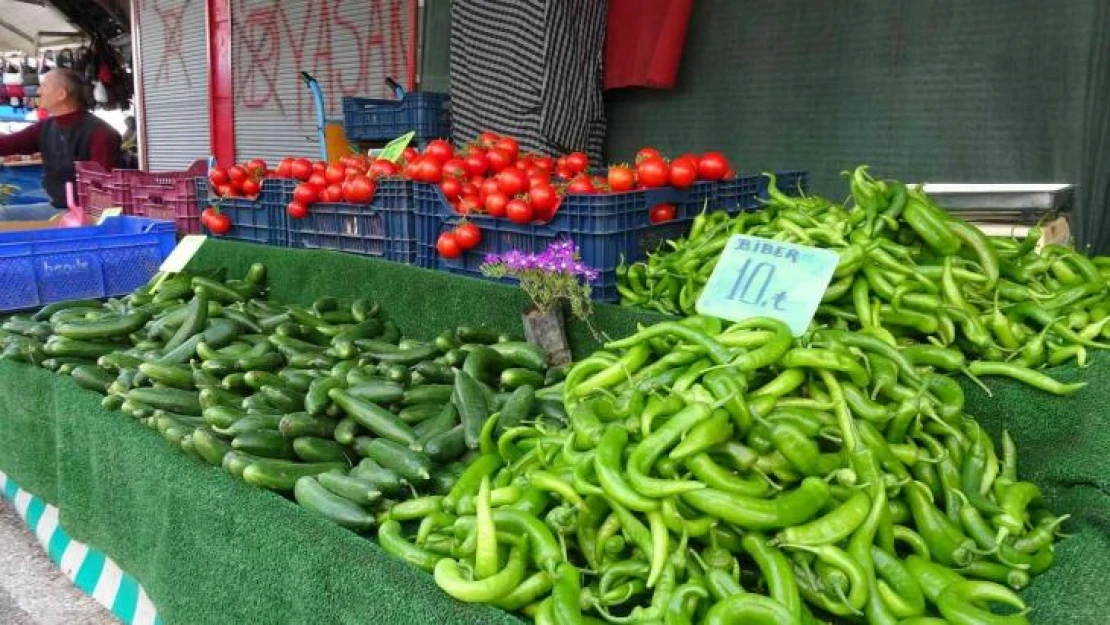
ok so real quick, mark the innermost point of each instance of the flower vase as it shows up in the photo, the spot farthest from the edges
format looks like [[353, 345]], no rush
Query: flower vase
[[547, 331]]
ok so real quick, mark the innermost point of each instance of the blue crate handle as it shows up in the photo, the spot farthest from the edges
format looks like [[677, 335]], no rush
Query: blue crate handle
[[321, 118]]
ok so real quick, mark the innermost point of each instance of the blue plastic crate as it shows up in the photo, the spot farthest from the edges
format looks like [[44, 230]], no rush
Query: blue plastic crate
[[38, 267], [739, 194], [259, 220], [384, 228], [423, 112], [27, 177], [608, 228]]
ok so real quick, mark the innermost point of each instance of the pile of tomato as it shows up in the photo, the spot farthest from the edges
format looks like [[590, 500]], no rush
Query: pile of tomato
[[241, 180], [352, 179]]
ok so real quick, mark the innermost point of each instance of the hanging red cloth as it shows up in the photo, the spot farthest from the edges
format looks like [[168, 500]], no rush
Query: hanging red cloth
[[643, 42]]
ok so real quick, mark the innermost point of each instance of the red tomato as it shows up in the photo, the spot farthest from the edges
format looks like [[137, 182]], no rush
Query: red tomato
[[359, 190], [236, 174], [257, 167], [498, 160], [621, 178], [713, 166], [224, 190], [301, 169], [488, 187], [332, 193], [538, 179], [320, 166], [496, 203], [351, 172], [456, 168], [468, 235], [518, 211], [510, 146], [439, 149], [318, 180], [652, 172], [470, 204], [383, 169], [335, 173], [296, 210], [469, 188], [476, 162], [487, 139], [448, 245], [216, 222], [646, 153], [512, 181], [429, 169], [577, 162], [251, 187], [661, 213], [546, 163], [684, 172], [218, 176], [451, 188], [285, 168], [306, 194], [581, 184], [543, 199]]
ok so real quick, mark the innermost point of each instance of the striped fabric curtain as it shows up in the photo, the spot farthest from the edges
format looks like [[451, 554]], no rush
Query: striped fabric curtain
[[531, 69]]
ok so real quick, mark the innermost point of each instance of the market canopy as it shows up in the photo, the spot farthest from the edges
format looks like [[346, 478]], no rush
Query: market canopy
[[26, 24]]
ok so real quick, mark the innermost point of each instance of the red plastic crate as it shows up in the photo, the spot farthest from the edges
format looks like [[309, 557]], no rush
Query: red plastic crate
[[176, 202], [98, 188]]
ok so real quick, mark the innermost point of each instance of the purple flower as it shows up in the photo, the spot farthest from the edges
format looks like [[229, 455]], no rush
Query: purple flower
[[491, 259]]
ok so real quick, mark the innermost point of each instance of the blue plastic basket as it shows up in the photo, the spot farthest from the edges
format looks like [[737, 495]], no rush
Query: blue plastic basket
[[423, 112], [385, 228], [738, 194], [38, 267], [259, 220], [608, 228]]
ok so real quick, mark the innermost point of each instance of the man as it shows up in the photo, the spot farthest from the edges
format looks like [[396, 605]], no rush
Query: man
[[70, 134]]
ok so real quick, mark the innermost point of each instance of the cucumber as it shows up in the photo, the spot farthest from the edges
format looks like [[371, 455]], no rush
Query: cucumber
[[171, 375], [213, 396], [63, 347], [93, 378], [419, 413], [235, 382], [413, 466], [257, 403], [183, 352], [283, 474], [555, 375], [219, 366], [447, 418], [103, 328], [385, 480], [297, 379], [454, 358], [267, 361], [407, 357], [473, 406], [484, 365], [168, 399], [364, 309], [217, 290], [210, 447], [298, 424], [342, 511], [251, 423], [376, 391], [266, 443], [446, 446], [522, 354], [397, 373], [119, 360], [373, 417], [316, 400], [435, 373], [220, 333], [517, 408], [516, 377], [312, 449], [235, 462], [195, 320], [203, 379], [428, 394], [390, 332], [553, 410], [241, 319], [345, 431], [470, 334], [47, 311], [257, 379], [112, 402], [351, 487]]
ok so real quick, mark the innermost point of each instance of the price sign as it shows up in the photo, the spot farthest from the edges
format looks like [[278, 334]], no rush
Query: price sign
[[115, 211], [763, 278], [394, 149], [183, 253]]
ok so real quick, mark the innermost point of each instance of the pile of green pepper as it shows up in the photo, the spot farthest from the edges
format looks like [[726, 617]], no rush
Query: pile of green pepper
[[740, 476], [909, 270]]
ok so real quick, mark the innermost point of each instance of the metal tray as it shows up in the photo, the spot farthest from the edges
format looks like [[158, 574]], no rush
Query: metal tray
[[1023, 198]]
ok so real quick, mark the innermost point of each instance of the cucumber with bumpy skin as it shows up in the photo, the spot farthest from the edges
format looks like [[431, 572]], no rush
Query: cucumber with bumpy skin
[[312, 496]]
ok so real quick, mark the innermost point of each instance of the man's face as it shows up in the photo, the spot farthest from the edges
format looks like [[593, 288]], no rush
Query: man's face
[[51, 93]]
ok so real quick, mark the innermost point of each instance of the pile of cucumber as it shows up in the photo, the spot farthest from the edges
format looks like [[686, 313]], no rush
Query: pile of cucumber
[[329, 402]]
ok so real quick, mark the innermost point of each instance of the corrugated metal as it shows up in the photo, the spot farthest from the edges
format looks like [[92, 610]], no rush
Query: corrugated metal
[[350, 46], [173, 37]]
